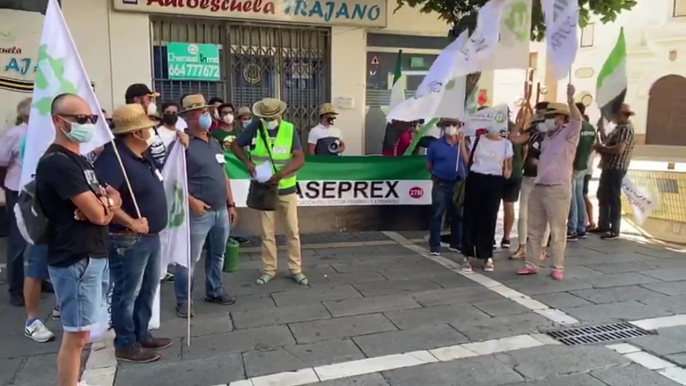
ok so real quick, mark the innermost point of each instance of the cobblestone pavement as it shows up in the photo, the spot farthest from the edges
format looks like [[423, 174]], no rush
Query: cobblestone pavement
[[374, 298]]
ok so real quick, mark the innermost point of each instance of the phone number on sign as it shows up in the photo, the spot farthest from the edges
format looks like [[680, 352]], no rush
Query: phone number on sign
[[187, 70]]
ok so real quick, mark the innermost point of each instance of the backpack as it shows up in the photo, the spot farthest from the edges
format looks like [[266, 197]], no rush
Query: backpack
[[33, 225]]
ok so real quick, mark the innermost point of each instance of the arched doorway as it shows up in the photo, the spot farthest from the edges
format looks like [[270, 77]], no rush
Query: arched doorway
[[667, 112]]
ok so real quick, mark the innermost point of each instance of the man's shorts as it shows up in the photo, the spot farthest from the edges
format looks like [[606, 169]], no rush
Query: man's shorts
[[511, 189], [38, 262], [81, 291]]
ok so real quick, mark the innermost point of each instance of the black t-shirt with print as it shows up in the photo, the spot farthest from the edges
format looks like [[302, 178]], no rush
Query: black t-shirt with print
[[533, 152], [60, 176]]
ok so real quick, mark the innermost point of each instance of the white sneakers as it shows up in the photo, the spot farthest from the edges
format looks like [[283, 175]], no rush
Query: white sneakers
[[38, 332]]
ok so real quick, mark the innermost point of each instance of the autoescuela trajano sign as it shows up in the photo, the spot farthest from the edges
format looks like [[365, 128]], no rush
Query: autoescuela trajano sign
[[363, 13]]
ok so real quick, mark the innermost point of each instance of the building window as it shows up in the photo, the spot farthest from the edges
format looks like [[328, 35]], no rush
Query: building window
[[587, 35], [679, 8]]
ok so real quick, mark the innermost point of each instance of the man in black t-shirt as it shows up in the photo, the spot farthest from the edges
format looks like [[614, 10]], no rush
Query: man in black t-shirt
[[79, 209], [135, 248]]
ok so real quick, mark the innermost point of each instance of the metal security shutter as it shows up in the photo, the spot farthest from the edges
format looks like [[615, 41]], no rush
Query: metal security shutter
[[257, 61]]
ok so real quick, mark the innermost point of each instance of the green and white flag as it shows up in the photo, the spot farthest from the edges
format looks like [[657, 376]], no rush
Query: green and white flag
[[515, 36], [612, 81], [398, 90], [349, 181], [175, 239], [59, 71]]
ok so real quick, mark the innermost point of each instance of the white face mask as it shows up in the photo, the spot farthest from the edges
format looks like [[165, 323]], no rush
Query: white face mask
[[550, 124], [228, 119], [152, 108], [271, 125], [541, 127], [451, 130], [151, 137]]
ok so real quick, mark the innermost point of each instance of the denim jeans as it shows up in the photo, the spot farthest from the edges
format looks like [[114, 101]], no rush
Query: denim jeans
[[135, 272], [214, 227], [576, 223], [610, 200], [16, 245], [442, 203]]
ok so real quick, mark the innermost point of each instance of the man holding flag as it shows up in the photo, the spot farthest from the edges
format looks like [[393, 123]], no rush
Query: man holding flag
[[134, 250]]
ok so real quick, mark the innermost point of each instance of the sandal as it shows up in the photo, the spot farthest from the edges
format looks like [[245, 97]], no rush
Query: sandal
[[264, 279], [300, 279]]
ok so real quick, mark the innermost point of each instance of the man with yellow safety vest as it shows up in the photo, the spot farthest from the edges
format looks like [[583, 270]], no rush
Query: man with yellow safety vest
[[272, 139]]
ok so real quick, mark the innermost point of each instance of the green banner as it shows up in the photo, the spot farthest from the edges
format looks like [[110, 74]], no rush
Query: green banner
[[329, 181]]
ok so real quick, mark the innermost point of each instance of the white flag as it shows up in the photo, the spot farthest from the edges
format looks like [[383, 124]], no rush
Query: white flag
[[488, 119], [439, 94], [478, 52], [641, 200], [561, 22], [175, 239], [59, 71], [515, 36]]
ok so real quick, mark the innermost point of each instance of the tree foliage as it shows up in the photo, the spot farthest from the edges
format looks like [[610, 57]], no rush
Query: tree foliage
[[462, 14]]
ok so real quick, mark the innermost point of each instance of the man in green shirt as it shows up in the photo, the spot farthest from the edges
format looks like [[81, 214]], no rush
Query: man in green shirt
[[511, 190], [576, 224], [227, 130]]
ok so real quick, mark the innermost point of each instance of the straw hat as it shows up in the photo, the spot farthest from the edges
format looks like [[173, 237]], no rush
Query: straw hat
[[327, 108], [268, 108], [555, 108], [130, 118], [193, 102]]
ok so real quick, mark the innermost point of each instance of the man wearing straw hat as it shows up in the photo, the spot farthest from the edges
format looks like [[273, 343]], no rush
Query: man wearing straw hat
[[213, 209], [286, 155], [134, 249]]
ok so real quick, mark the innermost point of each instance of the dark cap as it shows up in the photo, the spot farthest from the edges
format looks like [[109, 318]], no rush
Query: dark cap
[[139, 90]]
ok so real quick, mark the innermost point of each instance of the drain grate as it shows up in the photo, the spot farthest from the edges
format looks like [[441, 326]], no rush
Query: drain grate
[[598, 334]]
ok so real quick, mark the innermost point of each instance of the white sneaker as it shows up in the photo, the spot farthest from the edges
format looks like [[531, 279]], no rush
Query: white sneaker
[[38, 332], [489, 266], [435, 253]]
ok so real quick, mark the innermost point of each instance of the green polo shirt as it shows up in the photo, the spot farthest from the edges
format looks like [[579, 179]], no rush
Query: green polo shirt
[[585, 146]]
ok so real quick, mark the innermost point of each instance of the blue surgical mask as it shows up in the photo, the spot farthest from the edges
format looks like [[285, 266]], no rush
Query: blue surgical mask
[[80, 133], [205, 121]]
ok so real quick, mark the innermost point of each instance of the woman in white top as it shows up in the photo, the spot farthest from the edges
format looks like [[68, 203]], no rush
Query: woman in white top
[[489, 167]]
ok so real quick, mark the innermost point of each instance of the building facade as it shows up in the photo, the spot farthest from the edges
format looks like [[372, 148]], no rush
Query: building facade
[[305, 53]]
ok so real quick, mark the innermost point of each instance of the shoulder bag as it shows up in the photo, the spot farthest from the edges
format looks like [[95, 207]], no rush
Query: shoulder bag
[[263, 196], [459, 186]]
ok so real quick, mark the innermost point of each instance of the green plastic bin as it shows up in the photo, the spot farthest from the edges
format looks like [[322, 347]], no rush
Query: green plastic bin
[[231, 258]]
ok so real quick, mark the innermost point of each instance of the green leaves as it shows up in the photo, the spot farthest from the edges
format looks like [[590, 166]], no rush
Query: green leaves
[[462, 13]]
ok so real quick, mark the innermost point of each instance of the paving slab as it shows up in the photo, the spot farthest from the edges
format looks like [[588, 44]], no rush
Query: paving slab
[[448, 296], [668, 341], [238, 341], [562, 300], [545, 285], [501, 307], [379, 288], [9, 369], [570, 380], [428, 316], [453, 280], [482, 371], [632, 266], [501, 327], [667, 274], [291, 358], [320, 330], [669, 288], [413, 272], [38, 369], [363, 380], [629, 310], [337, 279], [370, 305], [556, 360], [279, 315], [616, 294], [382, 265], [679, 359], [204, 324], [668, 304], [633, 375], [310, 295], [619, 280], [397, 342], [201, 372]]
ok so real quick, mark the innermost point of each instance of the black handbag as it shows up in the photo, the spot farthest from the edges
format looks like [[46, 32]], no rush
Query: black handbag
[[263, 196], [459, 186]]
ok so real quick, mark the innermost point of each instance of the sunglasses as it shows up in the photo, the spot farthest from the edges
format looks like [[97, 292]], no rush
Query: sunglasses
[[81, 119]]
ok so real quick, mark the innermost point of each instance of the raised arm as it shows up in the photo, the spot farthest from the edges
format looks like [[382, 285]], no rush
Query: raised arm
[[574, 113]]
